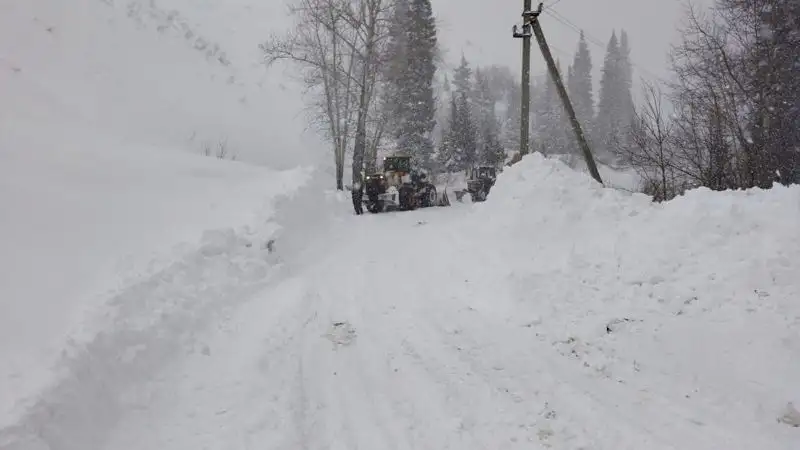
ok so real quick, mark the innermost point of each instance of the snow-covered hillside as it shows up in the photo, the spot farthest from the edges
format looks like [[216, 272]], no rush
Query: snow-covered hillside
[[82, 224], [147, 71], [105, 107]]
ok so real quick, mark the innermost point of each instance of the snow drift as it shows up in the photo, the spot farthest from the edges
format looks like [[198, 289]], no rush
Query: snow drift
[[691, 303], [108, 224], [82, 224]]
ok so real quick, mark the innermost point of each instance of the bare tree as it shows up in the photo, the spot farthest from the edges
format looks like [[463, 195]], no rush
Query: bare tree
[[328, 68], [651, 151], [369, 19], [711, 97], [337, 44], [737, 113]]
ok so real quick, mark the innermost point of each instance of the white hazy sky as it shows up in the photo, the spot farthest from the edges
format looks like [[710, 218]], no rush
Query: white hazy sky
[[482, 30]]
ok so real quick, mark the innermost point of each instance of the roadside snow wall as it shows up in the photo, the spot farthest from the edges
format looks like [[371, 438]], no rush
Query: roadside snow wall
[[696, 300]]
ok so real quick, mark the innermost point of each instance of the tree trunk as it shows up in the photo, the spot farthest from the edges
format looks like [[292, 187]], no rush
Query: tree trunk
[[339, 174], [370, 13], [360, 146]]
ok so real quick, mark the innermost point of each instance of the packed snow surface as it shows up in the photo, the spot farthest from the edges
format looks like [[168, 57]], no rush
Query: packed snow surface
[[151, 299], [558, 314]]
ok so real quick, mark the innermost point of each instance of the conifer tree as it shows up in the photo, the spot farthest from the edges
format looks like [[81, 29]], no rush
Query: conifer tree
[[445, 157], [510, 131], [397, 56], [615, 106], [412, 48], [465, 148], [626, 71], [550, 123], [580, 85], [490, 149], [462, 78]]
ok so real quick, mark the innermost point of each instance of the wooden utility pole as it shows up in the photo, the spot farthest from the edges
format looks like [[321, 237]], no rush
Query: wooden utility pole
[[531, 19], [525, 116]]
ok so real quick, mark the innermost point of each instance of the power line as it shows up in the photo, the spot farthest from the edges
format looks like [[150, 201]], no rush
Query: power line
[[551, 5], [569, 24], [591, 39]]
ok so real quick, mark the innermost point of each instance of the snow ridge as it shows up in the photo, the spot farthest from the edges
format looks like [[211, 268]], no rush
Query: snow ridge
[[154, 323]]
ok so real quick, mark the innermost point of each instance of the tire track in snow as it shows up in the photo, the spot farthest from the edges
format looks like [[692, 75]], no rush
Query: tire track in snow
[[340, 379], [237, 394], [156, 320], [431, 393]]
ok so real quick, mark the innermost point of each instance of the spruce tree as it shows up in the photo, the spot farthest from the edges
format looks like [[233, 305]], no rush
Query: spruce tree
[[608, 125], [397, 57], [462, 78], [465, 148], [463, 133], [580, 85], [774, 119], [511, 122], [550, 123], [412, 49], [491, 151], [626, 75], [482, 104], [445, 156]]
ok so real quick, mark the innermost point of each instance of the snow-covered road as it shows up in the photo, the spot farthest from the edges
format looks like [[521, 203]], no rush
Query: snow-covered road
[[431, 330], [368, 348]]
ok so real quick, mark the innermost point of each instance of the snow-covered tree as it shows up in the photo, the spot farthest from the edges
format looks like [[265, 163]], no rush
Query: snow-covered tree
[[580, 85], [445, 156], [626, 71], [459, 149], [615, 107], [490, 149], [510, 126], [551, 132], [462, 78], [337, 44], [463, 135], [413, 47]]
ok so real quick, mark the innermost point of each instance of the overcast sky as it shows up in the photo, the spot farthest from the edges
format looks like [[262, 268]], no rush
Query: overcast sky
[[482, 30]]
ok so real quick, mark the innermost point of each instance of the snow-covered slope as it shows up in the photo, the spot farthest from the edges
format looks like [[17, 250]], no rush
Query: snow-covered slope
[[146, 71], [558, 314], [110, 220], [86, 217]]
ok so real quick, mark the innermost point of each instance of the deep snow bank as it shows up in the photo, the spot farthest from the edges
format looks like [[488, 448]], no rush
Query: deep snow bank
[[100, 102], [695, 300], [85, 216]]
